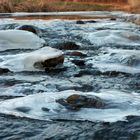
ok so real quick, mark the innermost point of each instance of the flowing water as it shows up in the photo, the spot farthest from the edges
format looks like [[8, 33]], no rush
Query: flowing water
[[111, 71]]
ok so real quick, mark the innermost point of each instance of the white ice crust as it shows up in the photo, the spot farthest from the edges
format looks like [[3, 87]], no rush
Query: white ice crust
[[119, 105], [18, 39]]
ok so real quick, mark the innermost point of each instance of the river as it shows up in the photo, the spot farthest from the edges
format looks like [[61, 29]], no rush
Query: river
[[105, 64]]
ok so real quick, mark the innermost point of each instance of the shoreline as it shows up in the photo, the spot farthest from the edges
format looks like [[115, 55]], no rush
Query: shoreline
[[79, 15]]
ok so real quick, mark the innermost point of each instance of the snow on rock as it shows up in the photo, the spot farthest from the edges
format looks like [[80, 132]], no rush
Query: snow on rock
[[18, 39], [32, 61]]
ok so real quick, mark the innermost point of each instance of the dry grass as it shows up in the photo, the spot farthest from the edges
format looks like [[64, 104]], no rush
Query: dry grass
[[65, 5], [46, 5]]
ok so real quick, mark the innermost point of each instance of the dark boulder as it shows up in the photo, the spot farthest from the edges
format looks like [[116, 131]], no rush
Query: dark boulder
[[29, 28], [91, 21], [4, 70], [113, 19], [75, 102], [79, 62], [50, 63], [68, 46], [76, 53], [80, 22]]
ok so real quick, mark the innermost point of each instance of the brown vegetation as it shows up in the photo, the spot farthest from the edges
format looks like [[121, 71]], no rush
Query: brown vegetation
[[67, 5]]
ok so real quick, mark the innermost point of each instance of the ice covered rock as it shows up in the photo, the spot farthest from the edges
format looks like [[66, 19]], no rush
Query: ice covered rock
[[18, 39], [33, 61], [43, 106], [75, 102]]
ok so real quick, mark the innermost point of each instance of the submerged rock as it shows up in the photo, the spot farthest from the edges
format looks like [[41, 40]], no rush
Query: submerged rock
[[29, 28], [23, 109], [68, 46], [75, 102]]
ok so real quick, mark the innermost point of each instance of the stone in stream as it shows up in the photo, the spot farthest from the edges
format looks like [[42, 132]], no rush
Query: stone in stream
[[29, 28], [75, 102], [113, 19], [4, 71], [68, 46], [35, 61], [76, 53], [53, 62], [80, 22], [79, 62], [91, 21]]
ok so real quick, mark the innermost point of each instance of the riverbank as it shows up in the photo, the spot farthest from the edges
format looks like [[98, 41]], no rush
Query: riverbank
[[59, 6]]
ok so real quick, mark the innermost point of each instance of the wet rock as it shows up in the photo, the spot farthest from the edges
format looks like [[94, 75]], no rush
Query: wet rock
[[75, 102], [50, 63], [91, 21], [55, 70], [113, 18], [29, 28], [4, 71], [102, 28], [68, 46], [79, 62], [80, 22], [76, 53]]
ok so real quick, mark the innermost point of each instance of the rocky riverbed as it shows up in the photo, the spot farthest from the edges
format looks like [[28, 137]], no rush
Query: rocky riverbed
[[70, 79]]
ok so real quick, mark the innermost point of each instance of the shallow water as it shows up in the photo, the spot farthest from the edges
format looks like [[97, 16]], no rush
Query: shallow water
[[111, 72]]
